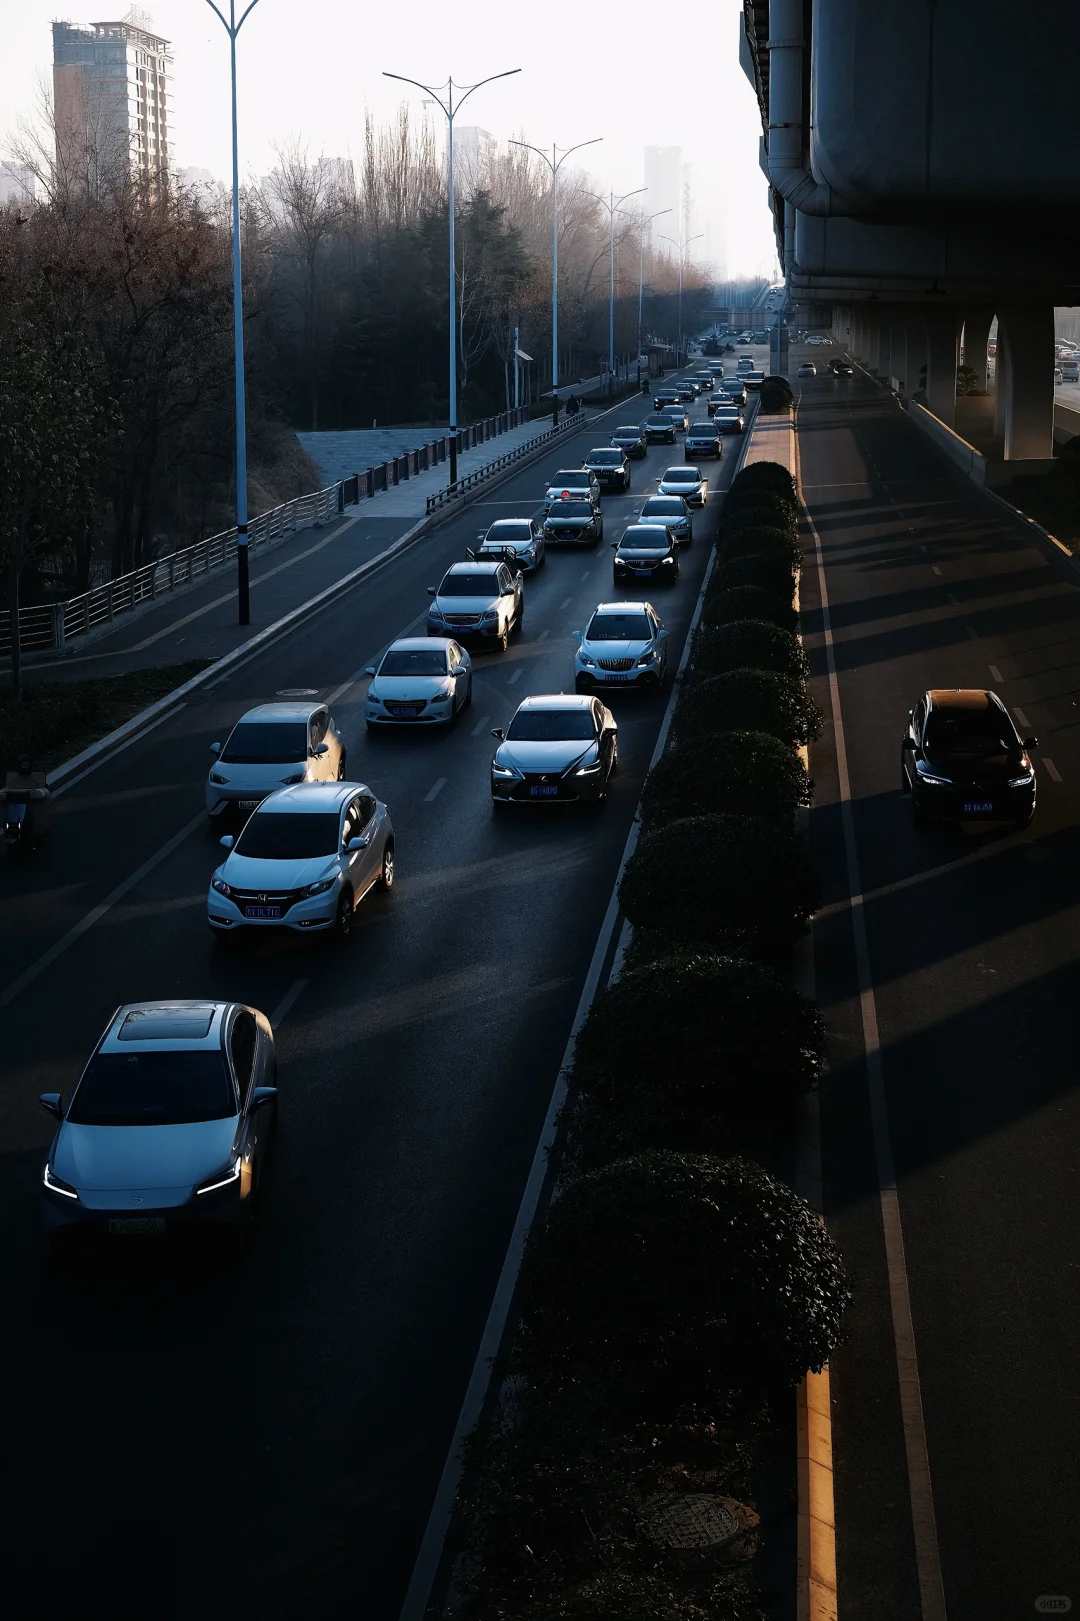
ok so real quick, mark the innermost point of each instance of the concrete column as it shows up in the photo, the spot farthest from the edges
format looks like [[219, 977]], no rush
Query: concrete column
[[858, 333], [977, 321], [896, 376], [1029, 390], [872, 356], [942, 327], [915, 336], [1001, 383], [885, 339]]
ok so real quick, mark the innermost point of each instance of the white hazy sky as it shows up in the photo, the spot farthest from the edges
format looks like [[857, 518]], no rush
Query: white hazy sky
[[311, 69]]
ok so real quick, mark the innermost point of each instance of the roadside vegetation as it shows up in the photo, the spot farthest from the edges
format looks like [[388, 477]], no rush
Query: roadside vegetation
[[678, 1290], [1053, 501], [55, 720]]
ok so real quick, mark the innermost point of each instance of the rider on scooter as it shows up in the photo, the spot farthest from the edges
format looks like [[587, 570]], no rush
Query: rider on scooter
[[26, 786]]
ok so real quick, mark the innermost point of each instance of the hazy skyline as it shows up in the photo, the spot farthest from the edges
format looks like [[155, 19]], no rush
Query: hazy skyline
[[313, 73]]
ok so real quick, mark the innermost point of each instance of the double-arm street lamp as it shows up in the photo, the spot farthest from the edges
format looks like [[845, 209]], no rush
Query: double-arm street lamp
[[450, 107], [243, 599], [555, 163], [682, 247], [613, 205], [647, 221]]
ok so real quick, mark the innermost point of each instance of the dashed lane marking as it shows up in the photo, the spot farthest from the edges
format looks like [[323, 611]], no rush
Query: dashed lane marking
[[435, 790], [287, 1003], [972, 632], [481, 725], [515, 677], [936, 570], [544, 634], [1051, 769], [1022, 718], [995, 673]]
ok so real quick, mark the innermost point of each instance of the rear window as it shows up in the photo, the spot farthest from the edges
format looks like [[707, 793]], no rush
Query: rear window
[[275, 742], [154, 1089], [289, 835], [571, 509], [470, 585], [509, 529], [969, 731]]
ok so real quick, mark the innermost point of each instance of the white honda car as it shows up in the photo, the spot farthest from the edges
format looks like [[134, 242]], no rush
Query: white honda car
[[419, 681]]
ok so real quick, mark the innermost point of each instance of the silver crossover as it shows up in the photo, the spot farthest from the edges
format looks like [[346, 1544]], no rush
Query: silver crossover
[[480, 601], [304, 861], [272, 746], [559, 749], [169, 1123], [419, 681], [624, 645]]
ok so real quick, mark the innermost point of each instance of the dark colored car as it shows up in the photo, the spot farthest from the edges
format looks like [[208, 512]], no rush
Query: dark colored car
[[841, 368], [703, 439], [962, 759], [632, 441], [727, 419], [611, 466], [646, 553], [573, 523], [660, 430], [704, 381], [732, 389], [677, 414], [687, 392], [665, 396]]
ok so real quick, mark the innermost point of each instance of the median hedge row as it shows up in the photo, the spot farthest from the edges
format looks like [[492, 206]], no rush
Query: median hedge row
[[676, 1291]]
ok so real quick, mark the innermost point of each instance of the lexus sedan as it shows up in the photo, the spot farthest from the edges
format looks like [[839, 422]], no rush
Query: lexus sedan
[[272, 746], [646, 552], [611, 466], [481, 601], [669, 512], [686, 481], [517, 541], [573, 523], [169, 1124], [623, 645], [702, 439], [559, 749], [660, 430], [962, 759], [419, 681], [304, 861], [633, 442]]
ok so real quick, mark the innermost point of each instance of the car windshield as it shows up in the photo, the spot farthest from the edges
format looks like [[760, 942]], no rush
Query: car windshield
[[470, 585], [508, 529], [414, 661], [702, 430], [605, 458], [571, 509], [274, 742], [551, 726], [663, 506], [969, 731], [620, 627], [289, 835], [153, 1089]]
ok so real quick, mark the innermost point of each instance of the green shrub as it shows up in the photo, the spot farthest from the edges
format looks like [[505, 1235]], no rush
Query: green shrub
[[783, 384], [748, 602], [764, 476], [775, 401], [759, 509], [761, 541], [678, 1275], [741, 773], [701, 1036], [723, 882], [748, 701], [766, 571], [748, 644]]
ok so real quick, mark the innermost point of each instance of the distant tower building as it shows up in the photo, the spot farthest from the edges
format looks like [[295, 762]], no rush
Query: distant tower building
[[473, 147], [111, 92], [17, 184], [663, 181]]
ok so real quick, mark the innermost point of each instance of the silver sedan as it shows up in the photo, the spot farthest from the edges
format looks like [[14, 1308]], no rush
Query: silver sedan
[[559, 749], [687, 481], [419, 681]]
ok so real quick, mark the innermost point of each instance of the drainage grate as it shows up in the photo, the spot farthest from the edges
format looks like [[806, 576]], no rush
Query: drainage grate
[[691, 1520]]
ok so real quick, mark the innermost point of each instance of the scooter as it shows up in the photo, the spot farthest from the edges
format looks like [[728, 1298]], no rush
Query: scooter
[[17, 823]]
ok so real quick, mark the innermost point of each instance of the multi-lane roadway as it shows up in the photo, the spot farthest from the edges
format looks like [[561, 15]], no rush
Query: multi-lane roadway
[[217, 1436]]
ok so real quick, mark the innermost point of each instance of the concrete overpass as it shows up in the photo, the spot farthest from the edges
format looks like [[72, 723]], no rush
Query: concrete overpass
[[915, 200]]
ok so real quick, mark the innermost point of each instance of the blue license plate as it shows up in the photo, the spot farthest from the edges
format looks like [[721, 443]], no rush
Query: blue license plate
[[643, 573], [542, 791], [268, 913], [622, 678], [403, 712], [978, 807]]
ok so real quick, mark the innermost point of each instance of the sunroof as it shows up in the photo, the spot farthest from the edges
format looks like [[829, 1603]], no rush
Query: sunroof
[[167, 1024]]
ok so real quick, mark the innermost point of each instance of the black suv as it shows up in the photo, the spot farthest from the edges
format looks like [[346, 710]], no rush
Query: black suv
[[611, 466], [660, 430]]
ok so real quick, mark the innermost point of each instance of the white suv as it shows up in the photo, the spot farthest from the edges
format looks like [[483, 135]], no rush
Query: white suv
[[273, 746]]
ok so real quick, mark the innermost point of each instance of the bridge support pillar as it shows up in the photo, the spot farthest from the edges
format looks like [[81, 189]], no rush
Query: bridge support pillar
[[917, 363], [872, 355], [895, 365], [977, 321], [1029, 381], [942, 336], [1001, 385]]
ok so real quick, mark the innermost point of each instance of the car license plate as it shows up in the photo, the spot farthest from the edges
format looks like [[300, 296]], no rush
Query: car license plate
[[249, 804], [643, 573], [622, 678], [271, 913], [544, 790], [404, 711], [124, 1225], [978, 807]]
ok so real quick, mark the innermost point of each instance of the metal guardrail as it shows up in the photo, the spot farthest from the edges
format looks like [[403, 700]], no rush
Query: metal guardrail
[[387, 475], [469, 481]]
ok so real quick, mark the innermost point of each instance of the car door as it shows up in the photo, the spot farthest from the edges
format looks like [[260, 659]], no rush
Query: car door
[[459, 670], [365, 826], [605, 726], [357, 864], [912, 744], [660, 641]]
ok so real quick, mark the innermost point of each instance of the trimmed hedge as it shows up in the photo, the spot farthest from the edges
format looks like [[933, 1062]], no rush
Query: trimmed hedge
[[748, 644], [764, 476], [676, 1275], [748, 602], [762, 569], [743, 773], [759, 509], [748, 701], [763, 541], [775, 401], [701, 1035], [722, 881]]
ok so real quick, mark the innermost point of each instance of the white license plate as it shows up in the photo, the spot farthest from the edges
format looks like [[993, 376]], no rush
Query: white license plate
[[978, 807], [249, 804], [544, 792], [270, 913], [124, 1225]]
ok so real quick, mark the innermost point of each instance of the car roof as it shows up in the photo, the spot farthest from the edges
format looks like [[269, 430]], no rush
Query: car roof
[[622, 607], [282, 711], [185, 1026], [501, 523], [683, 467], [310, 798], [414, 644], [489, 566], [558, 700], [973, 699]]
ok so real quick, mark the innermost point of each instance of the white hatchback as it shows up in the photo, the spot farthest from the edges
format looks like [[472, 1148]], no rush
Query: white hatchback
[[270, 747]]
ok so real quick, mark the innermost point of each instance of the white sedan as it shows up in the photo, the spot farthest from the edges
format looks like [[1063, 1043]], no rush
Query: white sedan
[[419, 681], [686, 481]]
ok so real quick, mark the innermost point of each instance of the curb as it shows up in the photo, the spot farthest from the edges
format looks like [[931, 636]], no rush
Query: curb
[[97, 752]]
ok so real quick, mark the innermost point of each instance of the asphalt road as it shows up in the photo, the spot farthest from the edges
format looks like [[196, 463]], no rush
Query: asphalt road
[[973, 944], [263, 1436]]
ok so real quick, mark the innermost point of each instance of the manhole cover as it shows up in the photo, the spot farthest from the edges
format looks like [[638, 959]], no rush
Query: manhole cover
[[691, 1520], [298, 692]]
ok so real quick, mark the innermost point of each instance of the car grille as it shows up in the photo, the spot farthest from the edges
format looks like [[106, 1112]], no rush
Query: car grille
[[407, 706], [285, 898], [462, 619], [616, 664], [558, 533], [636, 563]]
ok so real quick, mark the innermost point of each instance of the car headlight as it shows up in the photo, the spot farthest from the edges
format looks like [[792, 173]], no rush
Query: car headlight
[[588, 770], [932, 779], [488, 614], [216, 777], [435, 612], [1022, 782], [668, 561], [55, 1185], [297, 776], [503, 771], [587, 661], [320, 888], [217, 882], [224, 1179], [646, 658]]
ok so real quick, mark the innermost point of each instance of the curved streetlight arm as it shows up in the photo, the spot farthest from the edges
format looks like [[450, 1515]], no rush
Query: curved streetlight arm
[[233, 28], [448, 106]]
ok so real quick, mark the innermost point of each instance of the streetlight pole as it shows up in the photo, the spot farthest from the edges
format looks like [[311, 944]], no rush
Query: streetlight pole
[[682, 247], [555, 163], [641, 278], [451, 107], [243, 595], [613, 205]]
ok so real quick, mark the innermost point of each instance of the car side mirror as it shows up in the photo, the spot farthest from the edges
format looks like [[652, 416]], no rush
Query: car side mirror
[[227, 842], [370, 670], [215, 748], [1031, 742], [319, 750], [497, 731], [431, 590], [480, 537], [359, 842], [263, 1095], [576, 634], [614, 544], [53, 1102]]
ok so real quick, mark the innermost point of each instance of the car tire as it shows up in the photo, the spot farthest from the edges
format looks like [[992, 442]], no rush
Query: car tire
[[519, 622], [343, 919], [388, 872]]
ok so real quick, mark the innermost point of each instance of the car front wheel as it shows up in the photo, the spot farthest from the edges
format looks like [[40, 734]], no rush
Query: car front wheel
[[386, 875], [343, 920]]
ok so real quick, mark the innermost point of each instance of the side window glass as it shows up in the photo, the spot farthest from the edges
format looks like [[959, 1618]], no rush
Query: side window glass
[[242, 1051], [318, 727], [454, 657], [365, 807]]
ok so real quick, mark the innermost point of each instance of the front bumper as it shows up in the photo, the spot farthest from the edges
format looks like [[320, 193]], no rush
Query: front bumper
[[709, 447], [465, 634], [954, 803], [594, 679], [160, 1213], [661, 436], [571, 790], [311, 916], [570, 537], [430, 715], [665, 573], [222, 802]]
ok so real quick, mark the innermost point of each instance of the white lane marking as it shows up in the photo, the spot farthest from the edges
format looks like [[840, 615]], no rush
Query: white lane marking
[[86, 923], [936, 570], [995, 674], [136, 737], [972, 632], [567, 603], [1051, 769], [515, 677], [586, 574], [481, 725], [543, 635], [920, 1489], [435, 790], [1022, 718], [288, 1001]]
